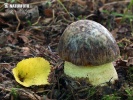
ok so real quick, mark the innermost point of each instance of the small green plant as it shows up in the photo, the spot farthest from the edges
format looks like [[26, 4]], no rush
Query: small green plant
[[29, 22], [63, 7], [48, 3], [81, 17], [130, 74], [128, 11], [111, 97], [121, 44], [126, 16], [129, 92], [91, 91], [14, 94]]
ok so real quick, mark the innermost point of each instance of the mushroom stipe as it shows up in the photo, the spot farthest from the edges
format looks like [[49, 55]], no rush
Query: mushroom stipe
[[96, 75]]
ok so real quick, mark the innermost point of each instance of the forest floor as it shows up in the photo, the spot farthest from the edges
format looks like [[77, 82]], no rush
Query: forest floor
[[36, 31]]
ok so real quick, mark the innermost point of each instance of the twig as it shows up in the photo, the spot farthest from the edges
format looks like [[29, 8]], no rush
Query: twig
[[37, 20], [53, 14], [18, 20], [1, 7], [63, 7]]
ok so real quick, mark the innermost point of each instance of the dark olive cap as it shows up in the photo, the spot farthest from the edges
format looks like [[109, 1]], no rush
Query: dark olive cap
[[86, 42]]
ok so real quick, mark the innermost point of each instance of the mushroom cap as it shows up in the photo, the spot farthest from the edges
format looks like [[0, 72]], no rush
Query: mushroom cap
[[86, 42]]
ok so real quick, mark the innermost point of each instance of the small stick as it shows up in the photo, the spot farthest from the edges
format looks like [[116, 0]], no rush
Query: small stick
[[63, 7], [18, 20], [37, 20]]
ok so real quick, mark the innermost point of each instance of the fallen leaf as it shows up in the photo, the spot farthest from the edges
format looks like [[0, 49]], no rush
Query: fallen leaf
[[24, 38], [129, 61], [26, 51], [32, 71], [48, 12]]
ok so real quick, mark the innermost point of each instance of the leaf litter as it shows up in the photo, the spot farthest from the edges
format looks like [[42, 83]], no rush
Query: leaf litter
[[25, 35]]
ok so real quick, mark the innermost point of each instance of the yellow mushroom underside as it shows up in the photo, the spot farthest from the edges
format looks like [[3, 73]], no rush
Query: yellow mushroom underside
[[96, 75]]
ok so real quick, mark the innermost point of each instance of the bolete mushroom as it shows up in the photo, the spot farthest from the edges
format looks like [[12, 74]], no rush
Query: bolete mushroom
[[89, 49]]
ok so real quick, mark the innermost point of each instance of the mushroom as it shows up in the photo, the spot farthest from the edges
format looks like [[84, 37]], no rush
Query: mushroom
[[89, 49]]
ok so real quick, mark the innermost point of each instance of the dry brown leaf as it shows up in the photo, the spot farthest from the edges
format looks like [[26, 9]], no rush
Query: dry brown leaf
[[130, 61], [129, 50], [24, 38], [26, 51], [114, 33], [48, 12]]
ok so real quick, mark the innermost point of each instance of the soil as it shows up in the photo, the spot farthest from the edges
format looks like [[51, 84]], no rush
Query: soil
[[35, 31]]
